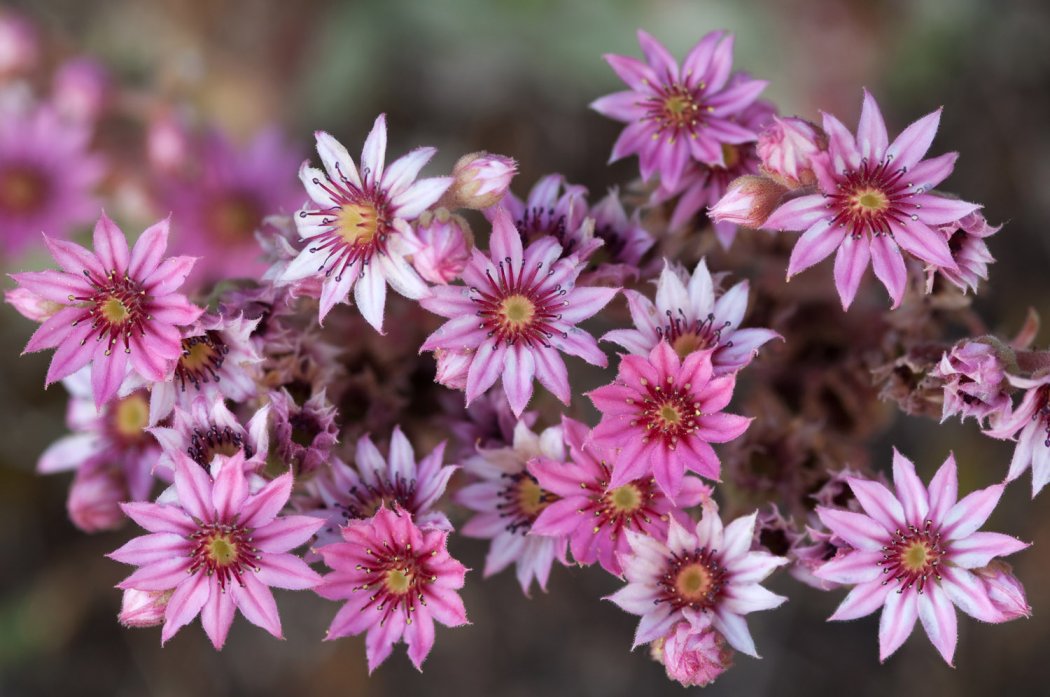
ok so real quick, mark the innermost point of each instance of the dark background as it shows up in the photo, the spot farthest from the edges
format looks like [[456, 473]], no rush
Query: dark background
[[516, 78]]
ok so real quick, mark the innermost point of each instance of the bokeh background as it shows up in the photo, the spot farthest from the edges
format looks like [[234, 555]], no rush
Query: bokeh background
[[515, 77]]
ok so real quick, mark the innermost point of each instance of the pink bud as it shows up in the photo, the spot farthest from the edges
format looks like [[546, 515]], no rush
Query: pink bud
[[481, 180], [143, 608], [452, 368], [95, 497], [1004, 590], [974, 381], [19, 44], [786, 147], [440, 244], [81, 89], [748, 202], [695, 654], [30, 305]]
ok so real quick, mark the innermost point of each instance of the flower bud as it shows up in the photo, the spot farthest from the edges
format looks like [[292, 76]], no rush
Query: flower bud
[[974, 381], [95, 497], [30, 305], [748, 202], [481, 180], [1004, 590], [785, 148], [452, 368], [81, 90], [441, 246], [694, 653], [966, 240], [143, 608]]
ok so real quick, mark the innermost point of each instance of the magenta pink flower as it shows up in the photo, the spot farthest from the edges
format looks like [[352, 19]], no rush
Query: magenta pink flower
[[517, 312], [873, 201], [676, 115], [207, 430], [218, 549], [507, 499], [974, 381], [594, 515], [708, 569], [397, 579], [120, 309], [661, 414], [1030, 423], [354, 232], [624, 241], [694, 653], [691, 317], [913, 555]]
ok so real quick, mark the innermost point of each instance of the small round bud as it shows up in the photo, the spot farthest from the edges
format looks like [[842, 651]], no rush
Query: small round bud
[[481, 180]]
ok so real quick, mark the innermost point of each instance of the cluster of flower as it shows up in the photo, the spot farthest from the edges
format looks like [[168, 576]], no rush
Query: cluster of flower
[[242, 411]]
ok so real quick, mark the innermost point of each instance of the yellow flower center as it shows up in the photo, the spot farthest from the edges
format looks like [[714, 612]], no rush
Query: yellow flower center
[[916, 556], [531, 497], [693, 582], [114, 311], [687, 344], [517, 310], [357, 223], [625, 499], [398, 581], [197, 356], [669, 414], [870, 201], [222, 550], [131, 416]]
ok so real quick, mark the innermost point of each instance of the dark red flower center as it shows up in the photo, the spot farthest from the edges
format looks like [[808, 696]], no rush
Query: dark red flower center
[[23, 189], [912, 556], [209, 440], [202, 358], [667, 412], [116, 309], [515, 306], [224, 551], [693, 579], [358, 226], [870, 198], [687, 335], [366, 499], [1042, 412]]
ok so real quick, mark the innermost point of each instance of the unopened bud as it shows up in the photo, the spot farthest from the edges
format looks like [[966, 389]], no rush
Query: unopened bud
[[481, 180], [748, 202], [786, 147], [1004, 590], [441, 246], [30, 305], [143, 608]]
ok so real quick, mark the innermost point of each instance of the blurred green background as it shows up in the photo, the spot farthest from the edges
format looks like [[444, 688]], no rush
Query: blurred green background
[[515, 77]]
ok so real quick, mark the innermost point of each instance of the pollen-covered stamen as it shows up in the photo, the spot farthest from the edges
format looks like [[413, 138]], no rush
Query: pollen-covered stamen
[[395, 580], [116, 309], [692, 579], [357, 227], [366, 499], [22, 189], [687, 336], [668, 412], [626, 506], [913, 557], [870, 197], [202, 357], [516, 305], [223, 550], [676, 109], [207, 442], [522, 499]]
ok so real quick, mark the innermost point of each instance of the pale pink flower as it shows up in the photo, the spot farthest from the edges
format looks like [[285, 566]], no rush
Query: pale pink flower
[[517, 314], [661, 415], [786, 148], [872, 201], [1030, 423], [694, 653], [690, 316], [397, 579], [481, 180], [553, 208], [708, 569], [440, 244], [120, 309], [675, 115], [914, 553], [974, 381], [143, 608], [219, 548], [354, 232], [507, 499], [593, 515]]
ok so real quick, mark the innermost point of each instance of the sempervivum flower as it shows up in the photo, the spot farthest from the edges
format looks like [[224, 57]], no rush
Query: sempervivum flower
[[440, 242], [966, 240], [218, 548], [871, 202], [354, 234], [708, 569], [355, 493], [208, 430], [594, 515], [507, 500], [120, 308], [676, 115], [661, 414], [913, 554], [553, 208], [397, 579], [1030, 423], [305, 433], [694, 653], [518, 311], [625, 241], [481, 180], [46, 176], [690, 317], [974, 381], [223, 198]]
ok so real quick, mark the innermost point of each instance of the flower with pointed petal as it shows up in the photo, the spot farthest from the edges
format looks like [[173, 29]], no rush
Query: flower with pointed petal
[[209, 430], [1030, 423], [974, 381], [218, 548], [675, 115], [518, 311], [873, 200], [593, 515], [119, 308], [354, 233], [397, 579], [661, 415], [690, 317], [914, 552], [553, 208], [507, 499], [625, 241], [708, 569]]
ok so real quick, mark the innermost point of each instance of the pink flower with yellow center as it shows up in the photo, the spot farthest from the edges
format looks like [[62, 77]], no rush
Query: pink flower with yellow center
[[397, 579], [661, 415], [355, 231], [119, 308], [218, 549], [516, 316], [914, 553], [873, 200]]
